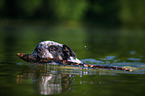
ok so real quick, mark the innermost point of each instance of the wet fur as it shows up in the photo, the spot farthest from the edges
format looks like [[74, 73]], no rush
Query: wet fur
[[56, 50]]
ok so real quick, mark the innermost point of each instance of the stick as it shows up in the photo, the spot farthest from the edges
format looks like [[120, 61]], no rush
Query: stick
[[31, 58]]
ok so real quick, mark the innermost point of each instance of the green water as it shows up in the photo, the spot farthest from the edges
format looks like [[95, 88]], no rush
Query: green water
[[104, 46]]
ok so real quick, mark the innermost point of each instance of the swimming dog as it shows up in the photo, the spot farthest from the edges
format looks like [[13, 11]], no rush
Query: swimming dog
[[51, 49]]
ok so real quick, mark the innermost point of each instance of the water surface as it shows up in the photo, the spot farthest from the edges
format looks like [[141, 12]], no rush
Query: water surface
[[120, 47]]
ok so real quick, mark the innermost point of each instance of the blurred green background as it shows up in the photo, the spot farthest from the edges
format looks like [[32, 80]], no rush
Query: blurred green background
[[102, 12], [106, 27]]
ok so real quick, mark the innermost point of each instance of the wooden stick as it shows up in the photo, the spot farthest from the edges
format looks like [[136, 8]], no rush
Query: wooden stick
[[31, 58]]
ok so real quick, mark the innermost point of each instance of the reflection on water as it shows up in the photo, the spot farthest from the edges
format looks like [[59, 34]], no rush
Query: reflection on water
[[50, 85], [53, 79], [47, 78]]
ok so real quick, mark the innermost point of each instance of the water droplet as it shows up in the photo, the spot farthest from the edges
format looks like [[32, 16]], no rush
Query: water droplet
[[86, 47]]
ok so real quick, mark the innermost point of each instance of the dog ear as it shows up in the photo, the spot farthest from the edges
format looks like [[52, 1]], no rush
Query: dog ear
[[67, 51]]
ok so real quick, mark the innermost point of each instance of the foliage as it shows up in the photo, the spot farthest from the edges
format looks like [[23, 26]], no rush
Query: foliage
[[97, 11], [132, 11], [1, 4], [69, 9], [28, 7]]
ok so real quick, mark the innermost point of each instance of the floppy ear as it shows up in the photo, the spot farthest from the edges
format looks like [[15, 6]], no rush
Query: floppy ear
[[67, 51]]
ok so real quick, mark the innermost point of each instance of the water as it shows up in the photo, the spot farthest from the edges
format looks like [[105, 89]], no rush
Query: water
[[103, 46]]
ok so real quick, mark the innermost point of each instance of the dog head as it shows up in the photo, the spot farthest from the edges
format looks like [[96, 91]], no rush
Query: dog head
[[51, 49]]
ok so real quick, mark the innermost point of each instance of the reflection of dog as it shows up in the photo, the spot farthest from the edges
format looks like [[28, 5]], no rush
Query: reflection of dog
[[51, 49]]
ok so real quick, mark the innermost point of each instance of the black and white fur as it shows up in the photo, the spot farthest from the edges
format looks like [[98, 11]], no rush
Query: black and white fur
[[51, 49]]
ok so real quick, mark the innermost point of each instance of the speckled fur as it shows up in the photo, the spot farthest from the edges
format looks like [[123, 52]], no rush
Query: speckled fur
[[63, 52]]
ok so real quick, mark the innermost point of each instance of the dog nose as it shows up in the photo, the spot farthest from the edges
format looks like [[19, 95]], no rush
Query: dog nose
[[20, 54]]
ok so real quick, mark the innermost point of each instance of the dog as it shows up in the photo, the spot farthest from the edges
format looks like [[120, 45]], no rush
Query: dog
[[51, 49]]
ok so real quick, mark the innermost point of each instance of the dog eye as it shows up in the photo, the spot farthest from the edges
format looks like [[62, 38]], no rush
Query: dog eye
[[52, 48], [39, 49]]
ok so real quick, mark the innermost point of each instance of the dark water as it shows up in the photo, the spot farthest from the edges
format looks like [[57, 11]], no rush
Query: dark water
[[104, 46]]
